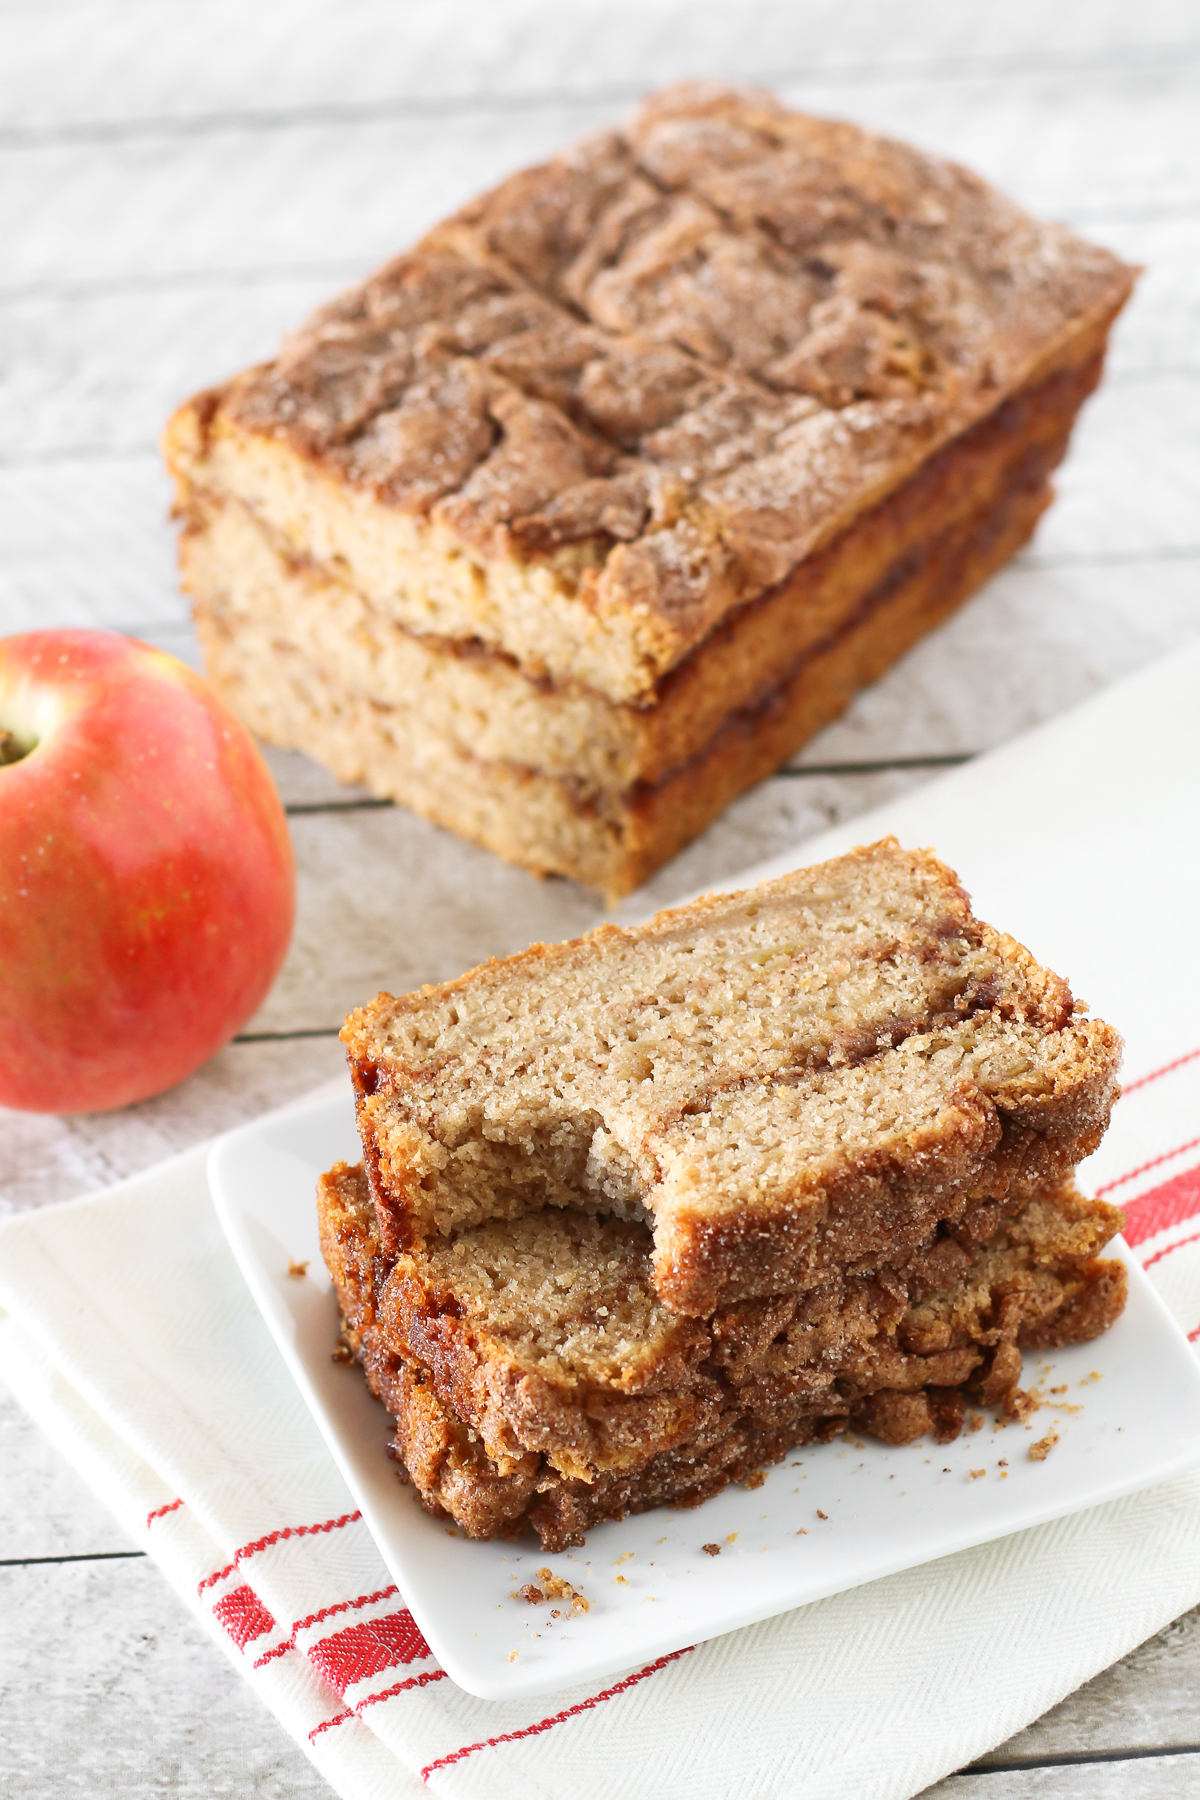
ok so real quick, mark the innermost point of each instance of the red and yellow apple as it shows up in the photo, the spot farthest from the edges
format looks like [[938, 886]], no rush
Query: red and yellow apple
[[147, 888]]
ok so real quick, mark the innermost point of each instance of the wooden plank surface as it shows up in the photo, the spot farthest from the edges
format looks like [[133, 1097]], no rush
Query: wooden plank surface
[[179, 184]]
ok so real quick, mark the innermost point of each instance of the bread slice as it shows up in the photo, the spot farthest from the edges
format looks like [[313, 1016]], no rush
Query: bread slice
[[783, 1084], [535, 1376]]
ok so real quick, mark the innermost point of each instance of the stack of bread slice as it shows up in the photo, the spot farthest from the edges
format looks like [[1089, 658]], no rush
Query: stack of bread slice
[[639, 1213]]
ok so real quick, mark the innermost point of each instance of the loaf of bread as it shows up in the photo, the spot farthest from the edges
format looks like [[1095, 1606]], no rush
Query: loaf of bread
[[580, 517]]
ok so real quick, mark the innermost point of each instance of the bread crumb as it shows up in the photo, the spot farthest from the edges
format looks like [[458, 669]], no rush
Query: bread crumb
[[513, 1655], [711, 1549], [974, 1421], [297, 1270], [732, 1538], [1040, 1451], [821, 1515], [626, 1557], [531, 1594], [1003, 1463], [755, 1479], [803, 1531], [555, 1588], [621, 1579], [974, 1474], [1059, 1390]]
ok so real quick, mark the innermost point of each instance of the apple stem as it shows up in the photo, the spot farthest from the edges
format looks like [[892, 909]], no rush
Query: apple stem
[[11, 748]]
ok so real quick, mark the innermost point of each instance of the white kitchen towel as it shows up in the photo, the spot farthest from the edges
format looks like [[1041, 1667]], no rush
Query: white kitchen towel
[[129, 1334]]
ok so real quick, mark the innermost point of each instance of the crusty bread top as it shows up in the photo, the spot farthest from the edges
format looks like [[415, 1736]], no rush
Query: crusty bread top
[[741, 1073], [670, 362]]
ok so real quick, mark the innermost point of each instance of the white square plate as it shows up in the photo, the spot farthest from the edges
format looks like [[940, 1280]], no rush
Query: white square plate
[[1130, 1416], [1108, 826]]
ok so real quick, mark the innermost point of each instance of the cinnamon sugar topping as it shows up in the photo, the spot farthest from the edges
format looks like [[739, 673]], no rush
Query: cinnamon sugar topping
[[687, 352]]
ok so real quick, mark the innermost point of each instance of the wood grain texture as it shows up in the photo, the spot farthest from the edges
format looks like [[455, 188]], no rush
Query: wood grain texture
[[1140, 1778], [108, 1687], [307, 197], [1150, 1699], [194, 67], [44, 1157], [47, 1510], [178, 185]]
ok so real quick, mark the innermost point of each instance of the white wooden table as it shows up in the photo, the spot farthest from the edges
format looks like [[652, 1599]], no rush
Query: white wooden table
[[178, 183]]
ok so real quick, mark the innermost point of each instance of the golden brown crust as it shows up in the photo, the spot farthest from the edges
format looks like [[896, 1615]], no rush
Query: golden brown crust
[[498, 1422], [1094, 1298], [671, 364], [752, 743], [992, 1139]]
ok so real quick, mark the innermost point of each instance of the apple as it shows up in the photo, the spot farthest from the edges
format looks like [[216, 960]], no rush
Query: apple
[[147, 888]]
